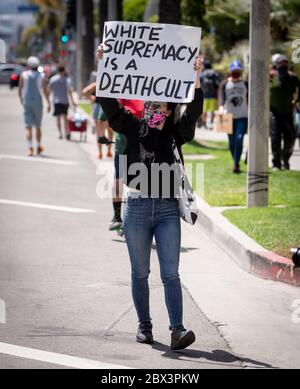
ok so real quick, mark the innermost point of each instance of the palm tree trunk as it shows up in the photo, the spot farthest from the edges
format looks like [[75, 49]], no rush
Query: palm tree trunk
[[169, 11], [103, 12], [88, 37]]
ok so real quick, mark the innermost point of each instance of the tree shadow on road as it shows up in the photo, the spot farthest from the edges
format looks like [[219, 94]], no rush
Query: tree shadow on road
[[216, 356]]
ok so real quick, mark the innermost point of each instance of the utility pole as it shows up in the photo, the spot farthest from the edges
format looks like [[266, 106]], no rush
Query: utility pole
[[103, 12], [79, 46], [258, 152], [112, 10]]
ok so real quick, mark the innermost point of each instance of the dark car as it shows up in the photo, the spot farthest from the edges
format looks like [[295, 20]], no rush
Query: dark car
[[7, 70], [14, 78]]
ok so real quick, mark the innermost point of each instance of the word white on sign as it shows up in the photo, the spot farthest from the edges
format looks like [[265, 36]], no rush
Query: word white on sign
[[146, 61], [296, 52]]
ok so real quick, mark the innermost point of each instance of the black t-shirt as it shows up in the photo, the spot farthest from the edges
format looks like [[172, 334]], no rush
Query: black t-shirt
[[148, 146]]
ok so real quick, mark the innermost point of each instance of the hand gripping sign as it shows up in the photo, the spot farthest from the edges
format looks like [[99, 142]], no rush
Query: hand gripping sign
[[148, 61]]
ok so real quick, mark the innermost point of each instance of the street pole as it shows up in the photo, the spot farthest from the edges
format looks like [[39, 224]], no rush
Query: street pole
[[257, 182], [112, 10], [79, 46]]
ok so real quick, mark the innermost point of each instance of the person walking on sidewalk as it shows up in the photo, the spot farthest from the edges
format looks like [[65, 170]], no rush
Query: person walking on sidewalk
[[61, 87], [210, 86], [31, 85], [149, 141], [284, 89], [136, 107], [233, 98]]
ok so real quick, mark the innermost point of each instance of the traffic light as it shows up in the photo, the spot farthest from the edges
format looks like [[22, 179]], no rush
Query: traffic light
[[64, 37]]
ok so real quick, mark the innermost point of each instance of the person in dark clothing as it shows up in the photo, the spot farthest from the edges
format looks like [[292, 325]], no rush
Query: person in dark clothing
[[284, 89], [149, 142], [210, 81]]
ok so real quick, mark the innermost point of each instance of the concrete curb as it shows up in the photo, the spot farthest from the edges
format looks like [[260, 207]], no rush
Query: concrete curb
[[248, 254]]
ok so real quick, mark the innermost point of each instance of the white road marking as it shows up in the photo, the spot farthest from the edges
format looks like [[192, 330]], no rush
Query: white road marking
[[39, 159], [55, 358], [47, 206]]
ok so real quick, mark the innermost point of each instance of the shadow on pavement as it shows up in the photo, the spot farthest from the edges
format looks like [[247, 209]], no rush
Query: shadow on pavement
[[219, 356], [182, 249]]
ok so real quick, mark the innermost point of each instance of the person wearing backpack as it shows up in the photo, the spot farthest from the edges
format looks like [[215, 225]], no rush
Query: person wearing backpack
[[31, 84], [210, 86], [233, 98]]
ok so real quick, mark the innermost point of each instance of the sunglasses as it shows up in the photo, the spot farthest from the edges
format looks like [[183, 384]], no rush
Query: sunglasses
[[154, 105]]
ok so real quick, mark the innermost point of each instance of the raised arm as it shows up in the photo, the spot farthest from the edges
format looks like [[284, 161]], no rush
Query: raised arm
[[185, 126], [119, 120]]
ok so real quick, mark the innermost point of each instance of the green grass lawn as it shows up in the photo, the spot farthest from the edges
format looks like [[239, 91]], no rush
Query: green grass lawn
[[87, 107], [276, 229]]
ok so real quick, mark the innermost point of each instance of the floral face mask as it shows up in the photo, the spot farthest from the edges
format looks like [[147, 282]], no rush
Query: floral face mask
[[153, 115]]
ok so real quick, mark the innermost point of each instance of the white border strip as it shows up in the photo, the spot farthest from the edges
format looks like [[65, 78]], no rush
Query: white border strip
[[39, 159], [54, 358], [47, 206]]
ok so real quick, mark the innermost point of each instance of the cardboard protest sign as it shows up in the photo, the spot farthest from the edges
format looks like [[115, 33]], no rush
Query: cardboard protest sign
[[147, 61], [223, 122]]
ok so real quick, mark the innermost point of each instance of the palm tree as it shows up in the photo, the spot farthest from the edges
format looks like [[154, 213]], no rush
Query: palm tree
[[49, 21], [103, 12], [170, 11], [88, 50]]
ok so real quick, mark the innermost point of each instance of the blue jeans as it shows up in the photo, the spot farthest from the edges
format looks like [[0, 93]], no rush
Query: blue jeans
[[237, 138], [145, 217]]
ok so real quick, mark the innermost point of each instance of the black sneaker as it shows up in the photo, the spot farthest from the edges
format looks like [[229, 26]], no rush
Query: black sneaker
[[181, 338], [104, 141], [144, 333], [236, 169], [286, 166]]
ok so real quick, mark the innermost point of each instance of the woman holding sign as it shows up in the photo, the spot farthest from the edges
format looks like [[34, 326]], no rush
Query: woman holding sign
[[150, 211]]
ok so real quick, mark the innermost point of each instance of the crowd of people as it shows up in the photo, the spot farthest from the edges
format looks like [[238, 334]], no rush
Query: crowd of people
[[33, 84], [231, 95]]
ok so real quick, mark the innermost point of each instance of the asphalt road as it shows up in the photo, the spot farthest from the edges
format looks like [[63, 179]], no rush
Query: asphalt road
[[64, 278]]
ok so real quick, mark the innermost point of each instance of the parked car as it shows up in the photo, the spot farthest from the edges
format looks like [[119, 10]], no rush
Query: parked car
[[6, 71], [14, 78]]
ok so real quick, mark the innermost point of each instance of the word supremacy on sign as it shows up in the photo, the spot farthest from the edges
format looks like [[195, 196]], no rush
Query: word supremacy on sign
[[148, 61]]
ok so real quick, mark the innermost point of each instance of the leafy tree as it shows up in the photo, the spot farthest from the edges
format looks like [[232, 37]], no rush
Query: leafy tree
[[193, 13], [229, 22], [48, 21], [133, 10]]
